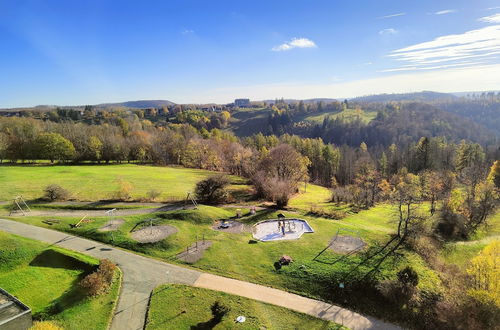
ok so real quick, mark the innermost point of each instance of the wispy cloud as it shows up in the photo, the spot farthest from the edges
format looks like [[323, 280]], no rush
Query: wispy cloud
[[484, 77], [294, 43], [444, 12], [456, 50], [491, 19], [493, 8], [388, 31], [392, 15], [187, 31]]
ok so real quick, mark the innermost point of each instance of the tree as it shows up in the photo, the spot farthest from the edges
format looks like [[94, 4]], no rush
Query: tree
[[95, 148], [367, 180], [433, 187], [279, 174], [3, 146], [54, 146], [493, 176], [213, 190], [484, 271]]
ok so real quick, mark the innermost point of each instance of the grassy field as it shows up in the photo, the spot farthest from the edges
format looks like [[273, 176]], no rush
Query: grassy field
[[348, 114], [45, 278], [183, 307], [92, 183]]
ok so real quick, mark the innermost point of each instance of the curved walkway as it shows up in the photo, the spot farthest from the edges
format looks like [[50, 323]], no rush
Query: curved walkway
[[141, 275]]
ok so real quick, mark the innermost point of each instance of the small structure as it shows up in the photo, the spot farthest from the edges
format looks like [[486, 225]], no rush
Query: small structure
[[280, 229], [14, 315], [242, 103], [20, 204]]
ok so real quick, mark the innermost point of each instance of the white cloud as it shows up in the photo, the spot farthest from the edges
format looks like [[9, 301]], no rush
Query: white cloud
[[388, 31], [187, 31], [295, 43], [491, 19], [493, 8], [482, 44], [444, 12], [448, 80], [392, 15]]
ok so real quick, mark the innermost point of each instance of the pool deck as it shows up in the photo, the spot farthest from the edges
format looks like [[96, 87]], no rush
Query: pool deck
[[268, 230]]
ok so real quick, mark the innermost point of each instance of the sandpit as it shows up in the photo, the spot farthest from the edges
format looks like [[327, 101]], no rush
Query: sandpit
[[345, 244], [230, 226], [270, 230], [194, 252], [153, 234], [112, 225]]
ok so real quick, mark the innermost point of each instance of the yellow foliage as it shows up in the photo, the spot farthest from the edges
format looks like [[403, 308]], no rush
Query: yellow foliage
[[485, 272], [45, 325]]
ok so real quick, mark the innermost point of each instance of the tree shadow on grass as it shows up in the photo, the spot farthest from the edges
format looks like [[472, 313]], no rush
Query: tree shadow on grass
[[51, 258], [208, 325]]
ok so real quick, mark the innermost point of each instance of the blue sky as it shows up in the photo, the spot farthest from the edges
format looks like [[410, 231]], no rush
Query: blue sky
[[88, 52]]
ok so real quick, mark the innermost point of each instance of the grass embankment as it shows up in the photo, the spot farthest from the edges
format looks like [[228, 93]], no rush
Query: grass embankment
[[100, 182], [46, 279], [182, 307]]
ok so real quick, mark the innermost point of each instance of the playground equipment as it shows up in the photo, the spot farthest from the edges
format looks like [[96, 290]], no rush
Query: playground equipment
[[111, 212], [82, 220], [280, 229], [18, 203], [190, 198]]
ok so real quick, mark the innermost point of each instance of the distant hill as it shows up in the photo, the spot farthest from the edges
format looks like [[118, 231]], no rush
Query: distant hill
[[321, 99], [425, 96], [140, 104]]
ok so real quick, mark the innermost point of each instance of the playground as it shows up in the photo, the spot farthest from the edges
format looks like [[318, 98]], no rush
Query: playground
[[153, 234], [281, 229]]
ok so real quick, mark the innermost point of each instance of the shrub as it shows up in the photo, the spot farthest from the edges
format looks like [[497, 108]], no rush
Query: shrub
[[213, 190], [94, 284], [55, 192], [107, 269], [123, 192], [402, 290], [45, 325], [100, 280], [219, 310], [408, 276], [153, 194]]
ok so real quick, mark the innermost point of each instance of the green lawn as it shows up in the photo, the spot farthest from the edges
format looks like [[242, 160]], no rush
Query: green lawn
[[46, 279], [181, 307], [92, 183]]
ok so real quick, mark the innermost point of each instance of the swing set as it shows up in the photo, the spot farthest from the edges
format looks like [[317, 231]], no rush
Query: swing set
[[19, 203]]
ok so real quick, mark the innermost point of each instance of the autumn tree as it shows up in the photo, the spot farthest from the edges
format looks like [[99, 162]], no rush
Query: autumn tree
[[433, 186], [484, 271], [279, 174], [53, 146], [493, 176]]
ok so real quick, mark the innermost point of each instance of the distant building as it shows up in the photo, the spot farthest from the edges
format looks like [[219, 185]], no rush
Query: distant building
[[14, 315], [242, 103]]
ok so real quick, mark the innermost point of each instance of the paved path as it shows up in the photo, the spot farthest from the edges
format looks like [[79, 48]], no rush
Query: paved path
[[98, 213], [141, 275]]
